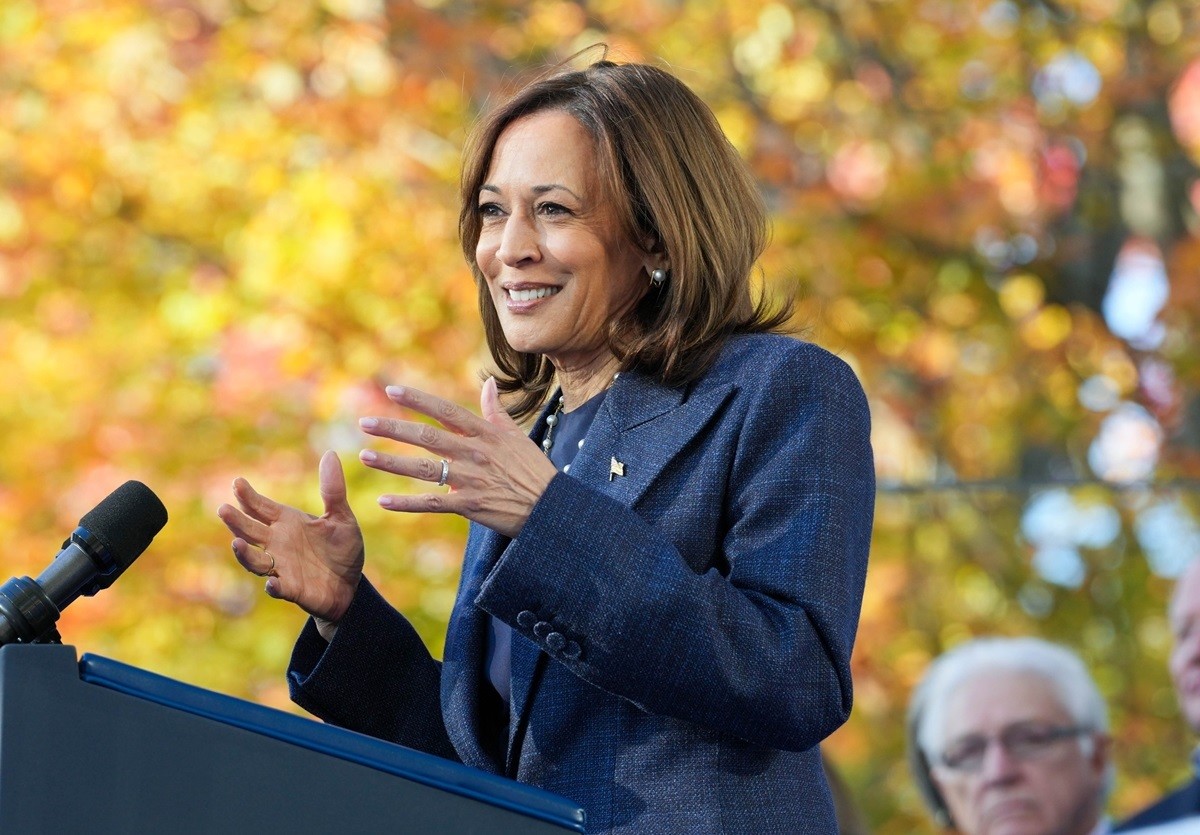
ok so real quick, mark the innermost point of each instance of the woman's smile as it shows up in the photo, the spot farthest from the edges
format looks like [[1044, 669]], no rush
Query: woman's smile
[[517, 296]]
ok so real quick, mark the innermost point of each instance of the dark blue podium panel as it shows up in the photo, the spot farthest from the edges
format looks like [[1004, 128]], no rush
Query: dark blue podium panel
[[97, 746]]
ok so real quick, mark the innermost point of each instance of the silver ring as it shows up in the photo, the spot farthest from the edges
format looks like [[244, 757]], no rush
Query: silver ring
[[445, 473], [270, 572]]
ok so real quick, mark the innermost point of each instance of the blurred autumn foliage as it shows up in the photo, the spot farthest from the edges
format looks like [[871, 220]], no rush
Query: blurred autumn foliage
[[226, 224]]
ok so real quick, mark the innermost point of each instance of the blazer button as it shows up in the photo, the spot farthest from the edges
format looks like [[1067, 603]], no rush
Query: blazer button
[[526, 619], [555, 641], [571, 651], [541, 629]]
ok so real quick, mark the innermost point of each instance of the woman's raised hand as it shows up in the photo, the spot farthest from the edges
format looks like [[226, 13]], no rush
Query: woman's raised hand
[[312, 561], [494, 472]]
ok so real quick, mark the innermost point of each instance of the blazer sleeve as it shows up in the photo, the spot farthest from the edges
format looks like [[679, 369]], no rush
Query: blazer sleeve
[[757, 645], [375, 677]]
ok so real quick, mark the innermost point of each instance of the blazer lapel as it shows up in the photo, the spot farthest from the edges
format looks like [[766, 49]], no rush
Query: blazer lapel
[[640, 428], [464, 667], [527, 659]]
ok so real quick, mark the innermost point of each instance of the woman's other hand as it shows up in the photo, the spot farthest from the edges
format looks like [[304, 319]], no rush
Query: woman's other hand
[[494, 472], [312, 561]]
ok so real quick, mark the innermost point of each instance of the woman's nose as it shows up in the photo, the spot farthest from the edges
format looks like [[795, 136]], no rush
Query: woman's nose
[[518, 241]]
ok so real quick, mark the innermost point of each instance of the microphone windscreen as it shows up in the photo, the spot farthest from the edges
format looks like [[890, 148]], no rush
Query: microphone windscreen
[[126, 521]]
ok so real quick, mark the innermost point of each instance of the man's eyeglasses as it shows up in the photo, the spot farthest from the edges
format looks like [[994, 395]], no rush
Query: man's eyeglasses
[[1022, 742]]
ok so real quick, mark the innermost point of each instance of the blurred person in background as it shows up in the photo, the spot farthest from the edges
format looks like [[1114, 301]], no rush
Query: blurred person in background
[[663, 578], [1183, 614], [1009, 736]]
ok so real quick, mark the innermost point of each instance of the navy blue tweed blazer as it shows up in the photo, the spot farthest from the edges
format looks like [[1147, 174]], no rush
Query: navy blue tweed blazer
[[682, 631]]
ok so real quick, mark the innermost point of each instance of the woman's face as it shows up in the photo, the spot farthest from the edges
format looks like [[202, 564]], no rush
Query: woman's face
[[556, 263]]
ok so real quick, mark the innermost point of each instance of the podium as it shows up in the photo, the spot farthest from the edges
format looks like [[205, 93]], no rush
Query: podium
[[94, 746]]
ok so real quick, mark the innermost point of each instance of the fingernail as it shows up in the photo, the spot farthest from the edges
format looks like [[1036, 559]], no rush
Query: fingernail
[[367, 456], [394, 391], [386, 501], [368, 423]]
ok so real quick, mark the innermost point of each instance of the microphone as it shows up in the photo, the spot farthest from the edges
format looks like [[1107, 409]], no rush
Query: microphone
[[109, 538]]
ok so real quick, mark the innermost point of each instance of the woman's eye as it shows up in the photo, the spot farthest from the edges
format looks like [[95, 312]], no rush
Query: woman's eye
[[552, 209], [488, 210]]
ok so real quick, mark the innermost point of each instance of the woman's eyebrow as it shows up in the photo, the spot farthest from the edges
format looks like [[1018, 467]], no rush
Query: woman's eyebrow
[[554, 187], [536, 189]]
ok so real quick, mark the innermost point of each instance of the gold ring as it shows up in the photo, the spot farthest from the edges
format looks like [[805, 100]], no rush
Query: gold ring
[[270, 572]]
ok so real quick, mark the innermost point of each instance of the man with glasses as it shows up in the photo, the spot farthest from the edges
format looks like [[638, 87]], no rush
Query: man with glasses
[[1009, 736], [1182, 806]]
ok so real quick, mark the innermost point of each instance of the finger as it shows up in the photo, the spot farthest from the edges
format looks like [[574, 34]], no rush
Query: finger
[[446, 412], [255, 504], [332, 482], [241, 525], [438, 441], [422, 503], [490, 406], [425, 469], [255, 560]]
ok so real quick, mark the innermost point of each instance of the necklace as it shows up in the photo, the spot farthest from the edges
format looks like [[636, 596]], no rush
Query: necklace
[[551, 422]]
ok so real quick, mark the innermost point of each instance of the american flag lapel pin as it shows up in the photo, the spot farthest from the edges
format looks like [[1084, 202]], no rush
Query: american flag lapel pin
[[615, 468]]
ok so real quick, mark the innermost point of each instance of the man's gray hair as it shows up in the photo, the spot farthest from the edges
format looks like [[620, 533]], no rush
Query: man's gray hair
[[1058, 666], [1061, 668]]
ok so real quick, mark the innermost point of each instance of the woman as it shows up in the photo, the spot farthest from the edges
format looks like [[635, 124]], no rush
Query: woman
[[662, 581]]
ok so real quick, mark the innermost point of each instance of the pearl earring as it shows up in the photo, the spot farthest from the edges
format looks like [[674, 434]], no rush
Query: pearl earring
[[658, 277]]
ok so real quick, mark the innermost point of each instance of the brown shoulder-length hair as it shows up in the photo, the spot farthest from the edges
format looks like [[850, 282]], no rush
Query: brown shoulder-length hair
[[678, 188]]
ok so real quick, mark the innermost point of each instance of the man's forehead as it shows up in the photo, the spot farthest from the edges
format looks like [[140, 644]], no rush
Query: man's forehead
[[990, 699]]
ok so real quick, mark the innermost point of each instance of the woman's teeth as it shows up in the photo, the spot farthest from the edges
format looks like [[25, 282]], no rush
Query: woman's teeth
[[530, 295]]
